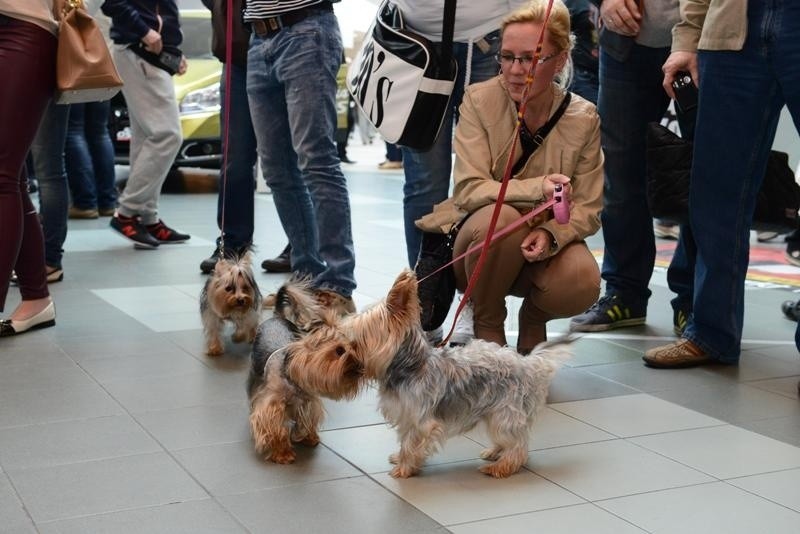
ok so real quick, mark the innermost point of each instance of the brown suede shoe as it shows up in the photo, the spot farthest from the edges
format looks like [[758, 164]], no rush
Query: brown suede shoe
[[683, 353]]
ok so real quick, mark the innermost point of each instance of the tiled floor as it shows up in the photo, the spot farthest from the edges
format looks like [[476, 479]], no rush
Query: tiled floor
[[115, 421]]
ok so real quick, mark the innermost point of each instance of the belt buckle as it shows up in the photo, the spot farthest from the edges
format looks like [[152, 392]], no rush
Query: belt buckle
[[274, 23]]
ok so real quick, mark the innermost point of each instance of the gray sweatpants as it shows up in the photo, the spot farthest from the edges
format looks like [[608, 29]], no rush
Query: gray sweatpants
[[155, 133]]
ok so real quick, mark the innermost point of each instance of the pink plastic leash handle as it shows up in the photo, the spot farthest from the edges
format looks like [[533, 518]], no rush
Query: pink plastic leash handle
[[561, 206]]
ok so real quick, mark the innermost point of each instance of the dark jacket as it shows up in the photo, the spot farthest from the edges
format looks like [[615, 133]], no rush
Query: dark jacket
[[241, 32], [132, 19]]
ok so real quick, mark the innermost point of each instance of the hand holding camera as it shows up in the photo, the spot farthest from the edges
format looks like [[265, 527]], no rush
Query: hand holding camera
[[685, 92]]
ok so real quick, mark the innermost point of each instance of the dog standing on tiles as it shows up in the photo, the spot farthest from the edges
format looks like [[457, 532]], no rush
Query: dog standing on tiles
[[230, 295], [429, 394]]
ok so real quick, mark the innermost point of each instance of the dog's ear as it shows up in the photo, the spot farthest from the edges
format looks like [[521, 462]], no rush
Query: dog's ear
[[403, 293], [246, 259], [221, 267]]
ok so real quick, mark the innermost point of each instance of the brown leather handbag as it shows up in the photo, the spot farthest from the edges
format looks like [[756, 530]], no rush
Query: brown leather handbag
[[85, 71]]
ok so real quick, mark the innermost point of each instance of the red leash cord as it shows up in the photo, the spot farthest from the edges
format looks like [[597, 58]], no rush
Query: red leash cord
[[226, 107], [490, 235]]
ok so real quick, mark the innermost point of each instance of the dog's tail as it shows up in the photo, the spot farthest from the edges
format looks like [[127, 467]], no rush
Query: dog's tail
[[558, 350]]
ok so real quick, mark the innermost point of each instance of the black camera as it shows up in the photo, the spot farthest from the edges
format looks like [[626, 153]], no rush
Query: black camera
[[685, 92]]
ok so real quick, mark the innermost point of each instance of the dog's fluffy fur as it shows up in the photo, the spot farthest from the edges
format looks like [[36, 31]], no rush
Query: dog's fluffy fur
[[287, 377], [230, 294], [429, 393]]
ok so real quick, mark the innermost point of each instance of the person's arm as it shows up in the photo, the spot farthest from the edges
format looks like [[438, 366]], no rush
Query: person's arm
[[474, 184], [685, 37], [123, 14], [586, 191]]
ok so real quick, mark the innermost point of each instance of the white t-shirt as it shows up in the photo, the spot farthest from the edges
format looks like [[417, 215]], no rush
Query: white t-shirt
[[474, 18]]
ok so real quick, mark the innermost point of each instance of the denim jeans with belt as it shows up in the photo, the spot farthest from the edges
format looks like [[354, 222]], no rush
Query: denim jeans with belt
[[291, 85], [630, 96], [741, 96], [428, 172], [235, 202]]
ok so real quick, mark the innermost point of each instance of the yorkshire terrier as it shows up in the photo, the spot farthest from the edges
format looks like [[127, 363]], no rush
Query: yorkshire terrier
[[230, 294], [429, 394], [287, 377]]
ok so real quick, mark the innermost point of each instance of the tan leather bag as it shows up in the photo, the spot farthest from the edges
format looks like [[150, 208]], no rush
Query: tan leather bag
[[85, 71]]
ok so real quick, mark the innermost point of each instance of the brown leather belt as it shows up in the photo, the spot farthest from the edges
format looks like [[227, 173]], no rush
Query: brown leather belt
[[271, 25]]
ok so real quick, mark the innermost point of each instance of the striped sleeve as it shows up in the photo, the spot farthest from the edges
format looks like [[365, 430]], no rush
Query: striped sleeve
[[261, 9]]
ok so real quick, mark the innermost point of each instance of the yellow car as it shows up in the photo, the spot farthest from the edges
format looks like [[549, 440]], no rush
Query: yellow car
[[197, 92]]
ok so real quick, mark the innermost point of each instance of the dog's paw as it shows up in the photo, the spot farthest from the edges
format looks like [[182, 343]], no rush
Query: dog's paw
[[394, 458], [499, 470], [215, 349], [491, 454], [238, 336], [283, 456], [403, 471]]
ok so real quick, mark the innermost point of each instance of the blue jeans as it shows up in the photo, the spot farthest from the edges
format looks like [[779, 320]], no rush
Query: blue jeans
[[630, 96], [48, 163], [291, 85], [237, 183], [428, 172], [741, 95], [89, 156], [585, 83]]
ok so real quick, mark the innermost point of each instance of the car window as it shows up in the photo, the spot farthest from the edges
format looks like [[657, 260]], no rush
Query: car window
[[196, 37]]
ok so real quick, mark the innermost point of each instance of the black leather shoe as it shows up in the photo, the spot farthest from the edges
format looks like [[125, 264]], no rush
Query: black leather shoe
[[207, 265], [43, 319], [281, 264]]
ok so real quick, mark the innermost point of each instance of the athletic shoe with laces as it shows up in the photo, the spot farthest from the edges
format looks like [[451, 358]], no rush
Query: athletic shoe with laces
[[607, 313], [166, 235], [132, 229], [464, 330]]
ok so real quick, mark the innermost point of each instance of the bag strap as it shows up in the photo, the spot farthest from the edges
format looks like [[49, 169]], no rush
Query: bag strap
[[448, 27], [536, 139]]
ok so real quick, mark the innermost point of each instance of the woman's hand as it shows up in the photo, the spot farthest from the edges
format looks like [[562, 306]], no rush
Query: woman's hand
[[550, 182], [537, 245], [152, 42]]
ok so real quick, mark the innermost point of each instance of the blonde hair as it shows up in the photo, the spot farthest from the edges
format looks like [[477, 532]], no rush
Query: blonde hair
[[558, 29]]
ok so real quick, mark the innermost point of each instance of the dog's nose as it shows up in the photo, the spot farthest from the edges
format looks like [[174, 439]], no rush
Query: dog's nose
[[240, 301]]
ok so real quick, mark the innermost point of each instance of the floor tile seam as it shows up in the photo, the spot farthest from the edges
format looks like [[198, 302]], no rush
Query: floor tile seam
[[121, 510], [732, 422], [599, 502], [729, 482], [792, 396], [17, 495], [699, 470], [239, 493], [587, 503]]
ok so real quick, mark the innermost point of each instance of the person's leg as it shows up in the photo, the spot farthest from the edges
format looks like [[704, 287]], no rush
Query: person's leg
[[78, 161], [630, 96], [48, 161], [29, 52], [560, 286], [502, 266], [150, 96], [427, 173], [235, 202], [308, 72], [739, 96], [680, 278], [278, 159], [102, 153]]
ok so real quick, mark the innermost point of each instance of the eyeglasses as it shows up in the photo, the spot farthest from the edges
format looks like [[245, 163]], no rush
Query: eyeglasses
[[507, 60]]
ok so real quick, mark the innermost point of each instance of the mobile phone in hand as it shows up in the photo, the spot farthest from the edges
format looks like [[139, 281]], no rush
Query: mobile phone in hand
[[685, 92]]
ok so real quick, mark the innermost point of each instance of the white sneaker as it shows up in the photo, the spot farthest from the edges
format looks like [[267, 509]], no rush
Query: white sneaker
[[463, 332]]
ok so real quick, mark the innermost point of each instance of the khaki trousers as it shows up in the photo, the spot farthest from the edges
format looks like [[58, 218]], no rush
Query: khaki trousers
[[563, 285]]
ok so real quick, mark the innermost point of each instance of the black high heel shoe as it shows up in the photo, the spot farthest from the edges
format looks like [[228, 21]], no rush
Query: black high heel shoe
[[43, 319]]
